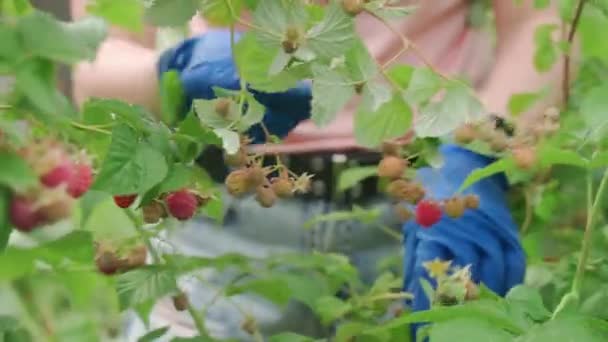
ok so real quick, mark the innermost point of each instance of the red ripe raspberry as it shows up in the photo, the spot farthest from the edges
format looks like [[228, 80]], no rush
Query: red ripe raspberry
[[428, 213], [182, 204], [125, 201], [60, 174], [81, 180], [23, 214]]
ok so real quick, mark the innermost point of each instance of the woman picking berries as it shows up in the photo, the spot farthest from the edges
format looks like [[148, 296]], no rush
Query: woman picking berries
[[474, 229]]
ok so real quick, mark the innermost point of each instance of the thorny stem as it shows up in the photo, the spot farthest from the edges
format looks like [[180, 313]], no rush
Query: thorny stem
[[196, 316], [566, 70]]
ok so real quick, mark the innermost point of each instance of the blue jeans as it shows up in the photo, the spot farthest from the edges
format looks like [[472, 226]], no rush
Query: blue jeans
[[253, 231]]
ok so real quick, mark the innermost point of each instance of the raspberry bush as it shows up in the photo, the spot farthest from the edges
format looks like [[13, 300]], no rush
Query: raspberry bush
[[86, 194]]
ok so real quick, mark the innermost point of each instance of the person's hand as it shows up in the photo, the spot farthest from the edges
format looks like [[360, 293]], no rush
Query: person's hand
[[206, 61], [485, 238]]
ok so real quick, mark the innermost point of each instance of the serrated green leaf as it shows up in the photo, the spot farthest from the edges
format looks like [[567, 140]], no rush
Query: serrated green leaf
[[15, 173], [359, 62], [230, 140], [331, 90], [330, 308], [570, 328], [130, 166], [273, 288], [275, 17], [393, 119], [144, 284], [530, 301], [375, 94], [458, 106], [351, 176], [545, 54], [11, 46], [468, 329], [221, 12], [61, 42], [127, 14], [401, 75], [478, 174], [593, 110], [423, 84], [549, 155], [334, 35], [106, 111], [215, 209], [170, 12]]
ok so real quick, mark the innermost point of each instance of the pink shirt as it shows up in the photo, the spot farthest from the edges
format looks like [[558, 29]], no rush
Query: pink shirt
[[440, 30]]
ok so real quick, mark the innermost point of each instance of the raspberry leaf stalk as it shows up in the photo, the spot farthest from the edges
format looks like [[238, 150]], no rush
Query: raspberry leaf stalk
[[593, 205]]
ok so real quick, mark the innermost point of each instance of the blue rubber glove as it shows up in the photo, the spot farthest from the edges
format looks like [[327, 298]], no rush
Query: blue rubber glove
[[206, 61], [486, 238]]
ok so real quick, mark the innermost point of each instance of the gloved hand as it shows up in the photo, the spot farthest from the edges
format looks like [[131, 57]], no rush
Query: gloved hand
[[486, 238], [206, 61]]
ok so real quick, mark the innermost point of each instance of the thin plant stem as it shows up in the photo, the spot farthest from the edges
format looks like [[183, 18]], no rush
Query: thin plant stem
[[90, 128], [566, 70]]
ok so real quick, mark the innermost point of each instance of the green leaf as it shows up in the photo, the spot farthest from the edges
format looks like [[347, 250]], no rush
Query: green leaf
[[334, 35], [331, 90], [478, 174], [545, 54], [549, 155], [401, 74], [592, 23], [253, 115], [11, 48], [107, 111], [36, 80], [178, 177], [359, 62], [468, 329], [153, 335], [218, 13], [593, 109], [393, 119], [145, 284], [8, 323], [275, 17], [519, 103], [130, 166], [254, 62], [230, 140], [5, 225], [15, 173], [350, 177], [191, 136], [389, 12], [62, 42], [570, 328], [423, 84], [540, 4], [530, 301], [209, 117], [457, 107], [274, 288], [289, 337], [171, 97], [127, 14], [170, 12], [306, 288], [215, 209], [330, 308]]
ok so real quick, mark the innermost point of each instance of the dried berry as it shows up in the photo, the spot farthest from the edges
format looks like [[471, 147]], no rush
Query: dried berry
[[391, 167], [81, 180], [428, 213], [390, 148], [238, 159], [403, 190], [153, 212], [289, 46], [552, 114], [108, 263], [60, 174], [58, 208], [256, 176], [524, 157], [125, 201], [137, 257], [180, 301], [471, 201], [454, 207], [472, 290], [182, 204], [465, 134], [353, 7], [237, 182], [282, 187], [265, 196], [23, 215], [499, 142], [249, 325]]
